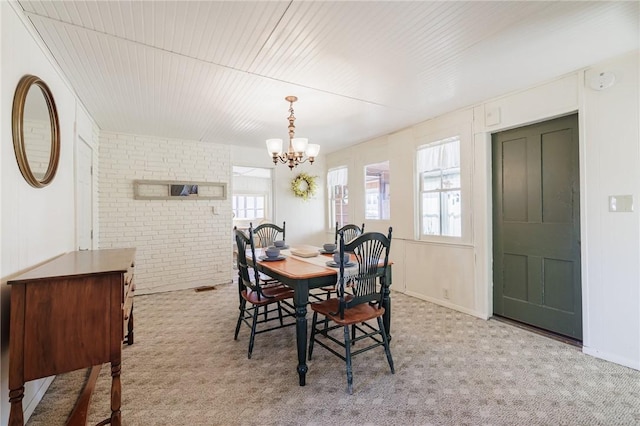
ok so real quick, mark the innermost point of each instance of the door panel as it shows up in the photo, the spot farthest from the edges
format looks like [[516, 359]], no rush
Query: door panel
[[536, 226]]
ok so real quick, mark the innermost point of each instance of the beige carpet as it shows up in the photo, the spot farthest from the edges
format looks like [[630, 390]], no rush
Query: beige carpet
[[451, 369]]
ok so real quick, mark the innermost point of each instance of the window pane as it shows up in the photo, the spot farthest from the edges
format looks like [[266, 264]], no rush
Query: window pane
[[431, 180], [378, 191], [438, 166], [337, 196], [250, 202], [451, 214], [451, 178], [431, 213], [372, 209]]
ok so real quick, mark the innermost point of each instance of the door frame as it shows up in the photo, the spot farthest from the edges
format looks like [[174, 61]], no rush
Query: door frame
[[79, 142]]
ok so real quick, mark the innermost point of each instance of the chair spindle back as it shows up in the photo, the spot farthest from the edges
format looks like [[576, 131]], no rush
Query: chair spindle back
[[243, 242], [267, 233], [350, 232], [371, 253]]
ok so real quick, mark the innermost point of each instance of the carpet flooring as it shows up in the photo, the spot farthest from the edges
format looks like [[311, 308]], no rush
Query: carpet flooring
[[451, 369]]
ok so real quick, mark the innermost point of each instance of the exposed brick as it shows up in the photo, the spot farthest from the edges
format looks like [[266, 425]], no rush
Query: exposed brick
[[180, 243]]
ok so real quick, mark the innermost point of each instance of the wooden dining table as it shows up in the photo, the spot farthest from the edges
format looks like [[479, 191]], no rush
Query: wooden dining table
[[301, 275]]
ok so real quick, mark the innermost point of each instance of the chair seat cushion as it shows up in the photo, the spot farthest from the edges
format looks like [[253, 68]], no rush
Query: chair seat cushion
[[252, 297], [359, 313]]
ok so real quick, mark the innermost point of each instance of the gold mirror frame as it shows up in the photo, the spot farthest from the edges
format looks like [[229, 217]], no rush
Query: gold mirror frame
[[17, 121]]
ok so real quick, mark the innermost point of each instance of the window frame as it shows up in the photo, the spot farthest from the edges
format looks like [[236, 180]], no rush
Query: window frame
[[331, 199], [465, 190], [255, 195], [386, 189]]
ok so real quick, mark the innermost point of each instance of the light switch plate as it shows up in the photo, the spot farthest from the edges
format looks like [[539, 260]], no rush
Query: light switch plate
[[621, 203]]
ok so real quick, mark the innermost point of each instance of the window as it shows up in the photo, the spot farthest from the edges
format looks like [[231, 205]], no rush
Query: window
[[251, 198], [377, 191], [438, 167], [338, 195], [248, 206]]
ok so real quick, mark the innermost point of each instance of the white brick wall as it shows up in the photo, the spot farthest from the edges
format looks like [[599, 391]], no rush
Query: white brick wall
[[37, 142], [180, 243]]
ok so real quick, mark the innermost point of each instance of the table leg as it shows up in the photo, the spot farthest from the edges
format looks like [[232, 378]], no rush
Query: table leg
[[301, 297], [15, 398], [116, 394]]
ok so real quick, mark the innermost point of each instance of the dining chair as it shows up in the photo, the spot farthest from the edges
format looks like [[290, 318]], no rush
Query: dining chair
[[350, 232], [357, 308], [267, 233], [272, 296]]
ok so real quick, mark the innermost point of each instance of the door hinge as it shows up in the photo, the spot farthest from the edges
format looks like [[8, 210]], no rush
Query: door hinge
[[91, 234]]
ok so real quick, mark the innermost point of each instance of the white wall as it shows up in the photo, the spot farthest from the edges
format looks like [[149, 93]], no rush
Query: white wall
[[37, 223], [181, 243], [611, 245], [459, 275]]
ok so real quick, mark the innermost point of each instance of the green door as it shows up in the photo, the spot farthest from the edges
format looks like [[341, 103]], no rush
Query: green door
[[536, 226]]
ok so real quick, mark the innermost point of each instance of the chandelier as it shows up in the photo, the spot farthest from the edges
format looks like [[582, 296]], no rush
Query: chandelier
[[300, 150]]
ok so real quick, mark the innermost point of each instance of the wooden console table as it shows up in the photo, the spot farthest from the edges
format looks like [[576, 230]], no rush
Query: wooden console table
[[70, 313]]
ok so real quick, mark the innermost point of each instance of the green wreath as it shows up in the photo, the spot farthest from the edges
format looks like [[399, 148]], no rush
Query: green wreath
[[304, 186]]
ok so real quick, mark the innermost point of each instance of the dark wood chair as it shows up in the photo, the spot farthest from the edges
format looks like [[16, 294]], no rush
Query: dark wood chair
[[267, 233], [272, 296], [356, 309], [350, 232]]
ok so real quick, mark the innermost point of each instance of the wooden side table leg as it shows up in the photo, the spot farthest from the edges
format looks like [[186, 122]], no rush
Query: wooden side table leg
[[130, 328], [116, 394], [16, 416]]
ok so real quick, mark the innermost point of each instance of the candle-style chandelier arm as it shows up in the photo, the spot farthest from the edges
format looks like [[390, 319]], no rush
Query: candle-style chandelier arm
[[299, 150]]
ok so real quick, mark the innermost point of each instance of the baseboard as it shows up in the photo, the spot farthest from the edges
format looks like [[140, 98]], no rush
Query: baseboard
[[616, 359], [33, 403]]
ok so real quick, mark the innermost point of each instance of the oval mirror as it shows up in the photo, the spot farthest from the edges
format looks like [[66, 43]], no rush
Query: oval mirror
[[36, 131]]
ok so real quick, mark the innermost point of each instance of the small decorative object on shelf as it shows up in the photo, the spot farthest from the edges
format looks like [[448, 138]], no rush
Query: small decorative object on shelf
[[304, 186]]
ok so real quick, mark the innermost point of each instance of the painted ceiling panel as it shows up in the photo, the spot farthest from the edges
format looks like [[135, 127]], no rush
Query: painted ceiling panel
[[218, 71]]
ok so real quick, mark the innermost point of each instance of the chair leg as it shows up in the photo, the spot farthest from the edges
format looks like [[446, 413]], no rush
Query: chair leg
[[253, 330], [280, 314], [265, 312], [243, 304], [312, 339], [385, 340], [326, 320], [347, 347]]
